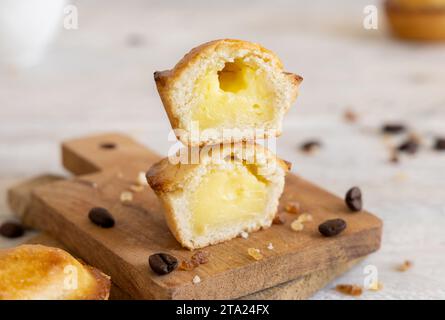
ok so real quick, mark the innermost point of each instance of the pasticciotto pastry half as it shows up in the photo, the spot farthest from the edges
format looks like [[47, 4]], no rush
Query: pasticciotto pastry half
[[230, 189], [36, 272], [227, 91]]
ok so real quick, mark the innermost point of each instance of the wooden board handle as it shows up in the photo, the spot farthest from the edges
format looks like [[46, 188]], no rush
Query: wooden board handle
[[96, 153]]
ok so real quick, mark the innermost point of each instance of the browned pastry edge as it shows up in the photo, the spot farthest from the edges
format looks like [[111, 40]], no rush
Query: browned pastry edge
[[416, 24], [103, 283]]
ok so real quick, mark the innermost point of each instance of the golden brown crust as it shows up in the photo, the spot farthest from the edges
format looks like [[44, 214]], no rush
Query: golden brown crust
[[165, 176], [103, 287], [161, 78], [295, 80], [164, 79], [420, 23], [206, 48], [40, 272]]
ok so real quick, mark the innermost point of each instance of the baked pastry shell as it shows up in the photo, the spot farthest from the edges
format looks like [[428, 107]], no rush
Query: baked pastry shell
[[416, 24]]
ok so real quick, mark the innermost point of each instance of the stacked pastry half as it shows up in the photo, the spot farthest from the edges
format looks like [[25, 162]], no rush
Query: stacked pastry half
[[220, 98]]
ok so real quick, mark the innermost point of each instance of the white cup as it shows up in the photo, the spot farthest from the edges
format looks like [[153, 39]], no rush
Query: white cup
[[26, 29]]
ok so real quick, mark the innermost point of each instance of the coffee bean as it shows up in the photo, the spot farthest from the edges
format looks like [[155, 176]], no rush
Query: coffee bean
[[11, 230], [101, 217], [310, 146], [410, 146], [393, 128], [353, 199], [162, 263], [332, 227], [439, 144]]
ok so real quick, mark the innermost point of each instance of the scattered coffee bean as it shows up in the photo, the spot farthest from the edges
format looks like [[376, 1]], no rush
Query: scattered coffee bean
[[310, 146], [439, 144], [162, 263], [101, 217], [11, 230], [393, 128], [410, 146], [108, 145], [353, 199], [332, 227]]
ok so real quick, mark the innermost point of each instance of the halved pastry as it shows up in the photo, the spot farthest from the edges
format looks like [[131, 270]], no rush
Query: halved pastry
[[36, 272], [224, 85], [228, 190]]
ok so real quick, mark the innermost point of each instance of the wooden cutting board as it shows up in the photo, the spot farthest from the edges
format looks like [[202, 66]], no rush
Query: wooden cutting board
[[303, 287], [109, 164]]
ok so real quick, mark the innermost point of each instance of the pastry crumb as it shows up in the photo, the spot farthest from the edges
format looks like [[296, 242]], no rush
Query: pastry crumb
[[305, 217], [200, 257], [400, 177], [270, 246], [349, 289], [141, 180], [136, 188], [126, 196], [296, 225], [279, 219], [187, 265], [394, 157], [255, 253], [196, 279], [293, 207], [376, 286], [350, 116], [244, 235], [405, 266]]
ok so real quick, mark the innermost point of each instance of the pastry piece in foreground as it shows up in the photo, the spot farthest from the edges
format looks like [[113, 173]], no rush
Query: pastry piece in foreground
[[422, 20], [36, 272], [227, 84], [230, 189]]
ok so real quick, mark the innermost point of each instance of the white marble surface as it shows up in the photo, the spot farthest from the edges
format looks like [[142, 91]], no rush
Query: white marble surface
[[92, 81]]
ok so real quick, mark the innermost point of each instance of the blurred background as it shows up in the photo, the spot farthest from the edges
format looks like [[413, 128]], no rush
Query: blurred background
[[60, 82]]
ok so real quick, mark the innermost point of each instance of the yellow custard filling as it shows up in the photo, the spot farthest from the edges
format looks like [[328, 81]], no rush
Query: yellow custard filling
[[227, 197], [239, 94]]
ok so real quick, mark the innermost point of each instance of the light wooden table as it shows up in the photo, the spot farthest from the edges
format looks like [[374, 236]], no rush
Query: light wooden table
[[92, 80]]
